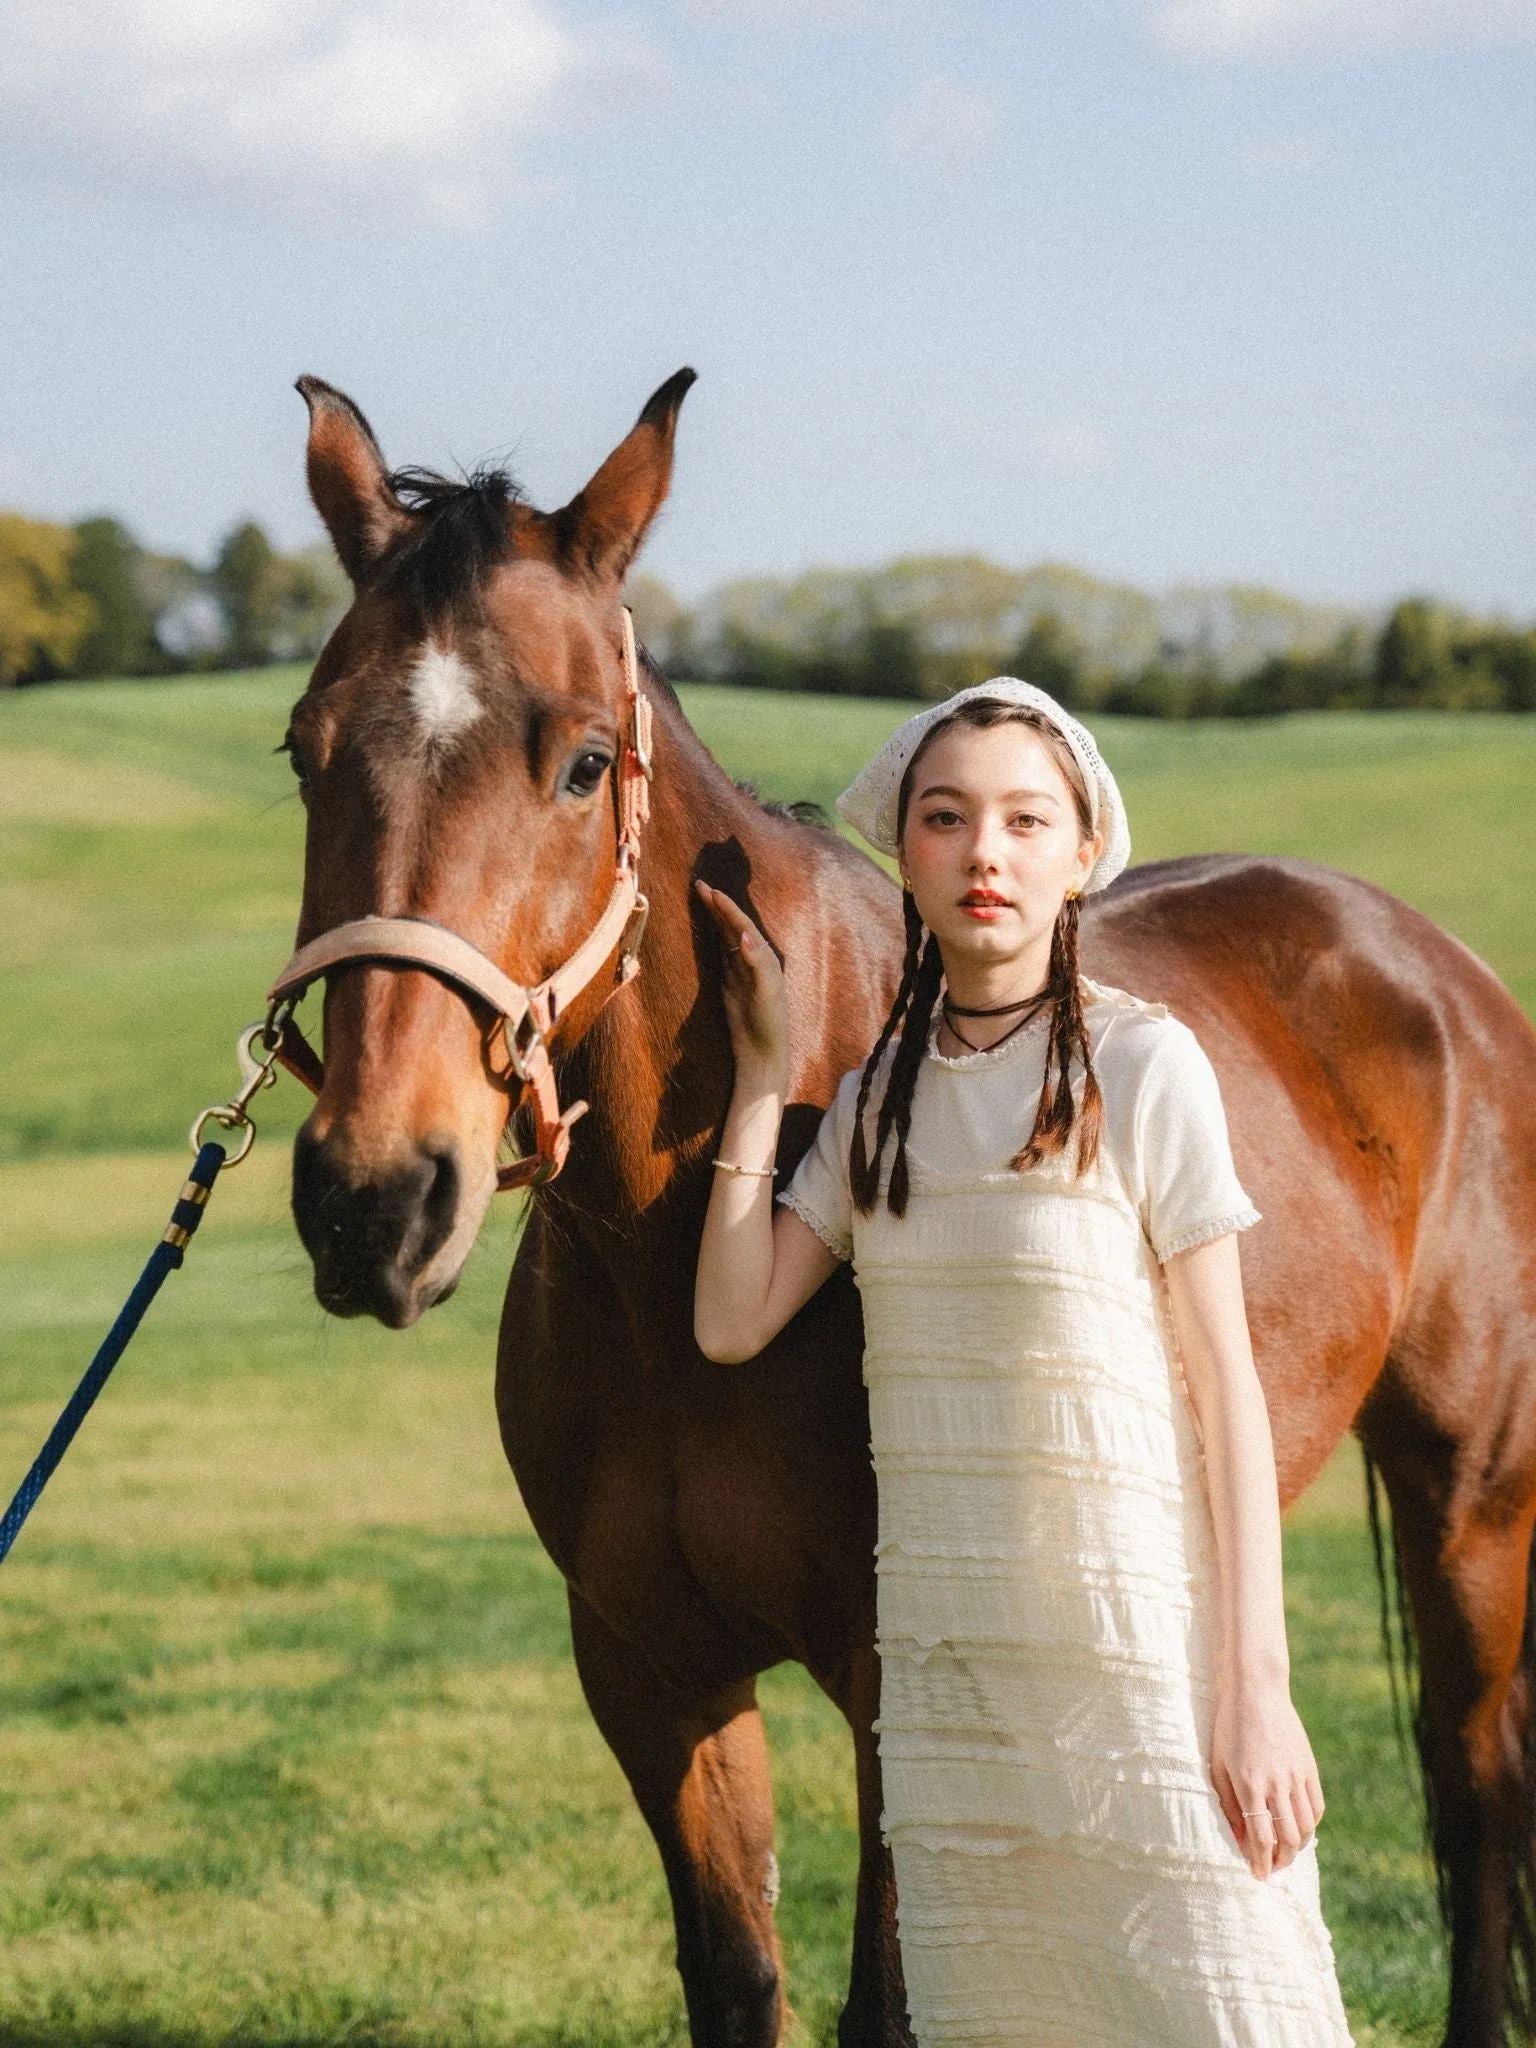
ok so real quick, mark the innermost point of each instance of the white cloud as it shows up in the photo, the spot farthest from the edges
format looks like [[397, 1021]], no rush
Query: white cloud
[[1281, 31], [948, 126], [307, 101]]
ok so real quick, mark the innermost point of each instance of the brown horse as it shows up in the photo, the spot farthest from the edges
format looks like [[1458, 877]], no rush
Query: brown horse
[[457, 745]]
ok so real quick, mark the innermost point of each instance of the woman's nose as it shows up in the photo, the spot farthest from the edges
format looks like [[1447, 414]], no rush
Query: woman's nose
[[981, 854]]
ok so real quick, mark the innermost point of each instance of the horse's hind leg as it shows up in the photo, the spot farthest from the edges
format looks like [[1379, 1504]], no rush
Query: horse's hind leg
[[698, 1766], [1467, 1570]]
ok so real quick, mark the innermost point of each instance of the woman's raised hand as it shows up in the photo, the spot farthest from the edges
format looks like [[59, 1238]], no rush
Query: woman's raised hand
[[756, 1268], [756, 1006]]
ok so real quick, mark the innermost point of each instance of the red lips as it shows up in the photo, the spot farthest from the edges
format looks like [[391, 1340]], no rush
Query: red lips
[[984, 905]]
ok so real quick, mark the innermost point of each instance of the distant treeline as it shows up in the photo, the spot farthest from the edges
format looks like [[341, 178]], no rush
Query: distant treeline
[[89, 600], [924, 627]]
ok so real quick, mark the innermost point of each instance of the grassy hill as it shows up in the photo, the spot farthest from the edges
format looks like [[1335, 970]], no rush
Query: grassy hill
[[150, 844], [291, 1751]]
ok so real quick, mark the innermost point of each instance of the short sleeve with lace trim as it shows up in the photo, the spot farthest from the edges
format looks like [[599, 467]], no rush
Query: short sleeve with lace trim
[[1188, 1193], [818, 1193]]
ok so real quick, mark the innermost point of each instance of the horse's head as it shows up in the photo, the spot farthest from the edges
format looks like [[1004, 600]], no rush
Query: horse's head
[[456, 748]]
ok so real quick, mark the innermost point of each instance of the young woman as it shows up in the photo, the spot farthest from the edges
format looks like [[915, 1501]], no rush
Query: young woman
[[1099, 1798]]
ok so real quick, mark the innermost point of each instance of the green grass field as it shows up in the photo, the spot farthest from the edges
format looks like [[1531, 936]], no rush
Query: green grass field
[[291, 1750]]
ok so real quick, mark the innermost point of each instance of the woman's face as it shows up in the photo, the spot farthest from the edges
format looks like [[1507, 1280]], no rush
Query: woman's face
[[992, 842]]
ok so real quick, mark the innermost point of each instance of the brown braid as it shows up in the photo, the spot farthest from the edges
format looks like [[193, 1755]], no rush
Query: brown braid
[[922, 980], [1057, 1113], [922, 977]]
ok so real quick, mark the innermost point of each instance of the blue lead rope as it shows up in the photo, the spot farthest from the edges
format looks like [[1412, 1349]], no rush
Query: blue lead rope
[[165, 1258]]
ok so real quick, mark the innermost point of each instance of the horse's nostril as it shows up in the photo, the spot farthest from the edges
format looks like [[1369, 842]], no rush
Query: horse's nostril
[[371, 1238], [440, 1204]]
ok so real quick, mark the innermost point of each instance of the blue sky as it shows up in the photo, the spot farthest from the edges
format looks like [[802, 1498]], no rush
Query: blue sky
[[1174, 289]]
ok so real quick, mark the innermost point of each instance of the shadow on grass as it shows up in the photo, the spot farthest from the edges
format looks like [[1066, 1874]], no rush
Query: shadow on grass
[[343, 2034]]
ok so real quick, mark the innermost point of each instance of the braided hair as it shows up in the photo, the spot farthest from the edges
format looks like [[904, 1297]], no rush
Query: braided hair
[[1057, 1115]]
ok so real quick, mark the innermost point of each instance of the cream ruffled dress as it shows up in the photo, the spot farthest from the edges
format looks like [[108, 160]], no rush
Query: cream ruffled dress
[[1047, 1569]]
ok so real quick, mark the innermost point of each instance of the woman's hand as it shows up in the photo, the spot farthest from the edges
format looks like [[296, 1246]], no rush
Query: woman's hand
[[755, 1269], [1265, 1775], [756, 1007]]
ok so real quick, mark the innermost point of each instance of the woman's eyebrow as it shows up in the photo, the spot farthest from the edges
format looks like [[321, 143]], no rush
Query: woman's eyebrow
[[1011, 796]]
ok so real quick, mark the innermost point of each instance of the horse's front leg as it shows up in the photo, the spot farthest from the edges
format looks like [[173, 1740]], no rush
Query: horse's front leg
[[698, 1766]]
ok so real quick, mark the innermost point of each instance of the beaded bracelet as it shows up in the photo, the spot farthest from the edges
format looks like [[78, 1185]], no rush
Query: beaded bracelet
[[746, 1172]]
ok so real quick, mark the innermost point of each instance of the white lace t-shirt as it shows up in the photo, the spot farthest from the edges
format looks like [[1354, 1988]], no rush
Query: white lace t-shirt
[[1164, 1141]]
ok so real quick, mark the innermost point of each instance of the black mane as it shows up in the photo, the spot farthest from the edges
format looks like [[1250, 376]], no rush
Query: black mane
[[798, 810], [461, 532]]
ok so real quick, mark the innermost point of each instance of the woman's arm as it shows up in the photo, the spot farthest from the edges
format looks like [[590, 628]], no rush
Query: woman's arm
[[1261, 1761], [755, 1268]]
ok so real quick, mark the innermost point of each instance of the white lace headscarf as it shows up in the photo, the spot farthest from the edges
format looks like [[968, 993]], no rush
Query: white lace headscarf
[[869, 803]]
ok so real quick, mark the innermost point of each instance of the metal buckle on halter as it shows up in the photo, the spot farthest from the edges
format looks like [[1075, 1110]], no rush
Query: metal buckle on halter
[[524, 1041]]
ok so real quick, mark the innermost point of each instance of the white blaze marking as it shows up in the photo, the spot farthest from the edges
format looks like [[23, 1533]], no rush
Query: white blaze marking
[[443, 695]]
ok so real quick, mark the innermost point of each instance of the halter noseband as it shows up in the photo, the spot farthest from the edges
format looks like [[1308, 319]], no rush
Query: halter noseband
[[529, 1015]]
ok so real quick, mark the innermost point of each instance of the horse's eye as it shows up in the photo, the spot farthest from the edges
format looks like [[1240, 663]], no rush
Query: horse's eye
[[289, 746], [585, 772]]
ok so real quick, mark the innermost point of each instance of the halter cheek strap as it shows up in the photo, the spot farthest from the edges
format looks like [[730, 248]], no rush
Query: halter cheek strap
[[529, 1016]]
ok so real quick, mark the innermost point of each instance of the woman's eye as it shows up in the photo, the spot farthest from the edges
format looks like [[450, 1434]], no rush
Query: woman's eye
[[585, 772], [942, 818], [1026, 819]]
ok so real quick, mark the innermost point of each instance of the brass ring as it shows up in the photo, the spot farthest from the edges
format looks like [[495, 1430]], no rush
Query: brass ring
[[226, 1121]]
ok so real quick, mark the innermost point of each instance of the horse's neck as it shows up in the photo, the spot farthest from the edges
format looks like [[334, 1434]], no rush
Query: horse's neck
[[656, 1066]]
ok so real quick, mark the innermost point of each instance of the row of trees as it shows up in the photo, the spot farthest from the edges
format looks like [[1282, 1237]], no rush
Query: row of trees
[[925, 626], [88, 600]]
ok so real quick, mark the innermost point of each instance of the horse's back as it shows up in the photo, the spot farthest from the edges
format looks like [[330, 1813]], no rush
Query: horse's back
[[1380, 1086]]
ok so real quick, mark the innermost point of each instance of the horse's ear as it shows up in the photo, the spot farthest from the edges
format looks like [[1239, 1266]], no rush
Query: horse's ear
[[348, 480], [601, 529]]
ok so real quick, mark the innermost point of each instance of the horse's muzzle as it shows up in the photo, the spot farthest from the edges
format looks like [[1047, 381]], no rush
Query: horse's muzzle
[[374, 1236]]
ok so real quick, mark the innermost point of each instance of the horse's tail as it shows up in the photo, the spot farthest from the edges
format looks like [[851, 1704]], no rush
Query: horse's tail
[[1400, 1643]]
